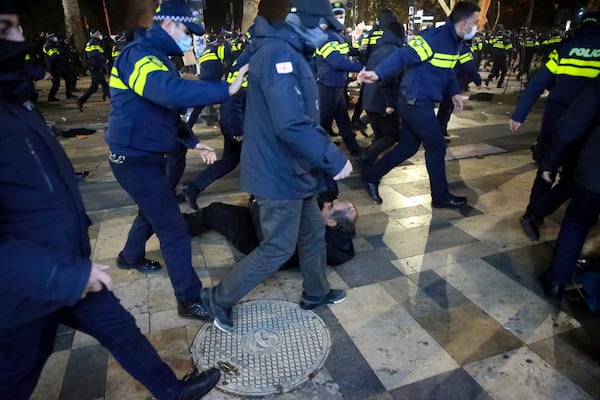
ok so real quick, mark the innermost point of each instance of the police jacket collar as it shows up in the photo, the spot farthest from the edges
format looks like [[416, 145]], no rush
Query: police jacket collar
[[264, 30]]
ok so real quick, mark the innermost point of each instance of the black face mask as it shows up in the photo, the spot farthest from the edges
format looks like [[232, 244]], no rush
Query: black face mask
[[12, 54]]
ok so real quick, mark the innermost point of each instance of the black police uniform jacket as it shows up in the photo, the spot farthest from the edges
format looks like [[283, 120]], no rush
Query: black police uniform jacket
[[44, 243], [286, 154]]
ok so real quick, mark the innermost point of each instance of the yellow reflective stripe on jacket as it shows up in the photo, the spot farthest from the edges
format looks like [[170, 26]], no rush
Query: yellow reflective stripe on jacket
[[465, 58], [207, 56], [232, 75], [51, 52], [328, 48], [114, 81], [442, 60], [573, 67], [141, 69], [115, 53], [502, 46], [552, 40], [221, 52], [375, 36], [93, 47], [343, 48], [421, 47]]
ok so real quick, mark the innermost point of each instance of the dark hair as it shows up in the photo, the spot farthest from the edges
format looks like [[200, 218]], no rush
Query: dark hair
[[463, 10], [343, 222]]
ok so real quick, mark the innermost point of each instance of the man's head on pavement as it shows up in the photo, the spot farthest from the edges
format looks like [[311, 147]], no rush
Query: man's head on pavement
[[465, 16], [178, 20], [340, 214]]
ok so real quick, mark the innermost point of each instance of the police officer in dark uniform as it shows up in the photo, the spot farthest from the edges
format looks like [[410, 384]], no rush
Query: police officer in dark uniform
[[580, 123], [428, 63], [48, 278], [501, 47], [569, 69], [96, 62], [333, 65], [55, 63], [147, 95]]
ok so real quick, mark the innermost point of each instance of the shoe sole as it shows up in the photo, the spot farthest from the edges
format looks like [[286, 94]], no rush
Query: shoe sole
[[222, 327]]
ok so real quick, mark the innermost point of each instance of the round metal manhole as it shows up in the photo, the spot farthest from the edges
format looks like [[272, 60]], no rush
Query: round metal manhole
[[274, 347]]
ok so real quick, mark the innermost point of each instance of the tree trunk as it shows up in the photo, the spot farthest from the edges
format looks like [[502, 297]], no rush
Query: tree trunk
[[73, 23], [529, 13], [250, 12], [485, 6], [445, 6]]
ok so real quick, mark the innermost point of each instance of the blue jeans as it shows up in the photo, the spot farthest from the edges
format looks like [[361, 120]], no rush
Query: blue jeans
[[146, 181], [580, 217], [284, 224], [419, 125], [24, 349]]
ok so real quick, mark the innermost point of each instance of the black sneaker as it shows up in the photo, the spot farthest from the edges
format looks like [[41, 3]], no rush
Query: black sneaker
[[193, 310], [145, 265], [221, 316], [194, 386], [334, 296]]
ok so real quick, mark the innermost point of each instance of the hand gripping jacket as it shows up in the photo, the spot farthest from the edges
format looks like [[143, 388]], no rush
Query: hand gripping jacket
[[429, 60], [147, 95]]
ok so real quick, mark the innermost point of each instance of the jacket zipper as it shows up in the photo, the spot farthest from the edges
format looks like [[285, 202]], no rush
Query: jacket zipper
[[39, 163]]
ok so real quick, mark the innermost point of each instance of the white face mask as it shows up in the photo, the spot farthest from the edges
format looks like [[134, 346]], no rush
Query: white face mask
[[341, 18], [184, 42], [469, 35]]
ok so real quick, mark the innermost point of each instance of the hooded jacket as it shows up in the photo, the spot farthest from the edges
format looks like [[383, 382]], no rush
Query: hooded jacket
[[286, 154]]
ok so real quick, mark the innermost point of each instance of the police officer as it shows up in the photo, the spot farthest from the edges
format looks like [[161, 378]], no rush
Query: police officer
[[580, 122], [501, 47], [333, 65], [55, 64], [428, 62], [96, 62], [528, 46], [147, 95], [569, 69]]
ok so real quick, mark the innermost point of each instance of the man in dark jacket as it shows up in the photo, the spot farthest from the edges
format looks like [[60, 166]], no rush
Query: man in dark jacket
[[287, 158], [96, 60], [147, 95], [47, 275], [581, 121], [428, 62], [379, 99], [241, 225]]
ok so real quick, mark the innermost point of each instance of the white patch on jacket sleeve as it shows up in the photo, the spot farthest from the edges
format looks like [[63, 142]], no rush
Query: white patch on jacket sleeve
[[284, 67]]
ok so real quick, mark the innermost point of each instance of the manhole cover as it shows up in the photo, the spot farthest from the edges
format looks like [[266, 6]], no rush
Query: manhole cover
[[274, 347]]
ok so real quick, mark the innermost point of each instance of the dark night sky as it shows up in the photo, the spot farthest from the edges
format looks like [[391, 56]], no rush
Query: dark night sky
[[47, 15]]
